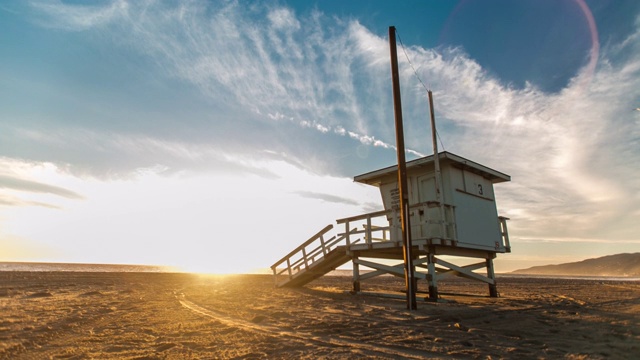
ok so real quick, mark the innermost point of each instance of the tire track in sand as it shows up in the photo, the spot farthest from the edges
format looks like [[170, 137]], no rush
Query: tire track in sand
[[305, 337]]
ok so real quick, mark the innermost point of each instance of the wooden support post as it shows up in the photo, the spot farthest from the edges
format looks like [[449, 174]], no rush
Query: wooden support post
[[493, 289], [347, 233], [432, 276], [402, 174], [368, 233], [356, 275]]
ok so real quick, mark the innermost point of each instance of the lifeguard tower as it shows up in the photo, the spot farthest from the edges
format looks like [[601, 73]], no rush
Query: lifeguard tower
[[439, 205], [462, 221]]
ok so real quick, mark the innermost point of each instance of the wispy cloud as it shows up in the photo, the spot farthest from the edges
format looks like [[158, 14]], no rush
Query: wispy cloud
[[573, 155], [260, 59], [119, 155], [18, 187], [327, 197], [15, 183], [14, 201], [79, 17]]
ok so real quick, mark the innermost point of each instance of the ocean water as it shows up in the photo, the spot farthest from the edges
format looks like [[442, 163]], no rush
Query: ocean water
[[44, 267]]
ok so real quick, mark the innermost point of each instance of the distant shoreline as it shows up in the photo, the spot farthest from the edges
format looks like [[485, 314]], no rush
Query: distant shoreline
[[78, 267], [128, 268]]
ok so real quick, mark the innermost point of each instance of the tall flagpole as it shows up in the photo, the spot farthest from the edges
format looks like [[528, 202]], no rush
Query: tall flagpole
[[409, 275]]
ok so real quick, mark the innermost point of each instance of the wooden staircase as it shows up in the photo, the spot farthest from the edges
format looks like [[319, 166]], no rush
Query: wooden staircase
[[311, 260]]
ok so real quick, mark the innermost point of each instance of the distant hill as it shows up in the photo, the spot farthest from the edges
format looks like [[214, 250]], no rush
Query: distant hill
[[620, 265]]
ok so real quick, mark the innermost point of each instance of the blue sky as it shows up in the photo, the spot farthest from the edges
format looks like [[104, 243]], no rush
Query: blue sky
[[186, 133]]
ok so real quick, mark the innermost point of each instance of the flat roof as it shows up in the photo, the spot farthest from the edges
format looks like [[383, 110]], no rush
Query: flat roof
[[375, 177]]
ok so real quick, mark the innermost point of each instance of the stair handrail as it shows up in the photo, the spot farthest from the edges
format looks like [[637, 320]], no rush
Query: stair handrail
[[307, 259], [302, 246]]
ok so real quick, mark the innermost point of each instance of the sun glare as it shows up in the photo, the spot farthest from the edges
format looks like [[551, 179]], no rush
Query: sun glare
[[212, 268]]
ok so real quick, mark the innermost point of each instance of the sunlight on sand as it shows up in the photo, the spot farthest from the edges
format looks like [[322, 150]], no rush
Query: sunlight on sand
[[177, 315]]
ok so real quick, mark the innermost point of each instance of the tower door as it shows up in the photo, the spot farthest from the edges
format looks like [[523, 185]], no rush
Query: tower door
[[428, 217]]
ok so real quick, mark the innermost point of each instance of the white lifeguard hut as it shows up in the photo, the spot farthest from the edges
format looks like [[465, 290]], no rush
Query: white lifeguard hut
[[463, 215], [461, 221]]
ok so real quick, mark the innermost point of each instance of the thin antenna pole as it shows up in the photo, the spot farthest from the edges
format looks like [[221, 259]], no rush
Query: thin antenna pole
[[433, 290], [436, 156], [409, 275]]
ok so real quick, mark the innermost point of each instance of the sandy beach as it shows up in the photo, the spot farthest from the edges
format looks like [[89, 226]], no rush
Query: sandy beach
[[110, 315]]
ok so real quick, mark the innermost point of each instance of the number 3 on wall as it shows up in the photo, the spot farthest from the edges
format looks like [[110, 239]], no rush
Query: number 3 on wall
[[480, 189]]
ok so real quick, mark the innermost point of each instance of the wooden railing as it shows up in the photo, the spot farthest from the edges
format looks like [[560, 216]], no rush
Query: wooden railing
[[378, 226], [504, 233], [369, 228], [385, 225], [307, 254]]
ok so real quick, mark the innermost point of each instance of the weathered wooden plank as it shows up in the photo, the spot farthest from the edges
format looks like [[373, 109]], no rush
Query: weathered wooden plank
[[464, 272]]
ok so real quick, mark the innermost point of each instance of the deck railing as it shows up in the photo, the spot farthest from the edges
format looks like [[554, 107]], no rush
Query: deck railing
[[384, 225], [504, 233], [371, 224]]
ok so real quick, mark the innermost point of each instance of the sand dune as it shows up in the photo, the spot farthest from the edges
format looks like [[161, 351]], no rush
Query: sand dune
[[177, 316]]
